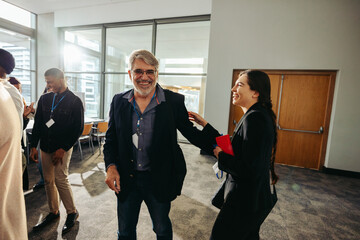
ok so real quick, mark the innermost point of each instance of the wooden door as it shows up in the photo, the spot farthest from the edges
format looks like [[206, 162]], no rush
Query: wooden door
[[302, 102]]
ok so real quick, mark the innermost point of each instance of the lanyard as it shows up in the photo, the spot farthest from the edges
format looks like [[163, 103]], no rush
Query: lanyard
[[134, 102], [52, 106]]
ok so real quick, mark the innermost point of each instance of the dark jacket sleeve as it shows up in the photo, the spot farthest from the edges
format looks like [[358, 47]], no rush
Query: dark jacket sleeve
[[38, 121], [246, 158], [77, 114], [187, 128], [211, 133], [111, 142]]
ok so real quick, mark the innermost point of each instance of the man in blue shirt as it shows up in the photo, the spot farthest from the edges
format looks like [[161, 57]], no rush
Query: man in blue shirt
[[142, 157]]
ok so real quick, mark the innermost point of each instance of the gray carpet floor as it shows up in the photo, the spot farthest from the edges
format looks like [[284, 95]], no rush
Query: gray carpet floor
[[311, 205]]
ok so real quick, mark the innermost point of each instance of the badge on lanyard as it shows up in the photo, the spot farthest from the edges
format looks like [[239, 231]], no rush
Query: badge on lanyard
[[51, 121], [217, 171], [135, 140]]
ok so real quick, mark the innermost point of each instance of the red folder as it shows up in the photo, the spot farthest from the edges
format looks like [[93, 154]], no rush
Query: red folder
[[225, 144]]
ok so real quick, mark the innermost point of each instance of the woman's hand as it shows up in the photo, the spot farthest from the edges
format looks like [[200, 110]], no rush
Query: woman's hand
[[197, 118], [28, 110], [217, 150]]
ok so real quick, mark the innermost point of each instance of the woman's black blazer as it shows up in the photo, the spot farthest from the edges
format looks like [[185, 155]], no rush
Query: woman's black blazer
[[248, 179]]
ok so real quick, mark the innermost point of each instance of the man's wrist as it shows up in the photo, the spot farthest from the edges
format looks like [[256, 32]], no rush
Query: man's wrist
[[111, 165]]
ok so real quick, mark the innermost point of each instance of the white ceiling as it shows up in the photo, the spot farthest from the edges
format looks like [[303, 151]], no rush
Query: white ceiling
[[47, 6]]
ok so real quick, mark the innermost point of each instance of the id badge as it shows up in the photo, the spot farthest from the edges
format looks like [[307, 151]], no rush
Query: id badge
[[217, 171], [135, 140], [50, 123]]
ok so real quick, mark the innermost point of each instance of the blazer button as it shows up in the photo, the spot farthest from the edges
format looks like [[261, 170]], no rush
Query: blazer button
[[131, 175], [131, 160]]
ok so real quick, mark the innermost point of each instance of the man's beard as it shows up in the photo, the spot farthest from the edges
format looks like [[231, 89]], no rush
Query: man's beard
[[146, 92]]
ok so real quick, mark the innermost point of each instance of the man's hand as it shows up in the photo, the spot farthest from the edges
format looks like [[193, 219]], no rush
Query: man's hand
[[58, 156], [34, 155], [113, 178]]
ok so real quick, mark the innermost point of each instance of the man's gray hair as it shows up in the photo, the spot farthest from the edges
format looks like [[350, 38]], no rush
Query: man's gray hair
[[146, 56]]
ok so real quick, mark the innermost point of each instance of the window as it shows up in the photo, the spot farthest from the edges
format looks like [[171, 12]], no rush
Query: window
[[121, 42], [99, 68], [17, 15], [17, 36], [182, 49], [82, 61]]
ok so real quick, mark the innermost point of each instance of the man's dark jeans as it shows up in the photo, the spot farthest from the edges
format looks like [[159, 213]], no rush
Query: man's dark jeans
[[128, 211]]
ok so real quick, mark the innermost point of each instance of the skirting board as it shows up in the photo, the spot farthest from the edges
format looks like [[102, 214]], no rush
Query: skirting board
[[341, 172]]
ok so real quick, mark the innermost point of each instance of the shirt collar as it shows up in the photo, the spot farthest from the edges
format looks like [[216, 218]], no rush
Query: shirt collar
[[63, 93], [160, 95]]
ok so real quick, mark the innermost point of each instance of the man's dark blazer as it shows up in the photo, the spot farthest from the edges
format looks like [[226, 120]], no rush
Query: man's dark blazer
[[168, 168], [246, 190]]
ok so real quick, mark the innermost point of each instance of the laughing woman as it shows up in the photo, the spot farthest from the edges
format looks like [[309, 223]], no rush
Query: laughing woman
[[246, 197]]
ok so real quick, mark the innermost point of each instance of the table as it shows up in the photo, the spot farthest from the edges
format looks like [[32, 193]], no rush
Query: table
[[93, 120]]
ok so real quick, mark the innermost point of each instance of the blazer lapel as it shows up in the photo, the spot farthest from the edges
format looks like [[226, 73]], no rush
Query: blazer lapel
[[160, 124], [126, 113], [251, 109], [238, 125]]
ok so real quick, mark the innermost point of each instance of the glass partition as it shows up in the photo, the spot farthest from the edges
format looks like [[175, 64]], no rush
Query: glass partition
[[96, 60], [16, 14], [87, 86], [121, 41], [82, 51], [115, 83], [20, 47], [82, 67], [182, 49]]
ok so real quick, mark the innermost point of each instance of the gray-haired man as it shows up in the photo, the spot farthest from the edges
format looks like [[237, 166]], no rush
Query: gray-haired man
[[143, 159]]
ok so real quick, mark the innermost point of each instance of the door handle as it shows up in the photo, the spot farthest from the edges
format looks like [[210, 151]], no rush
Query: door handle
[[321, 130], [234, 122]]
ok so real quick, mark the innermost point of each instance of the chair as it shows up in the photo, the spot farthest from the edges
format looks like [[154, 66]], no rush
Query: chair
[[100, 133], [86, 136]]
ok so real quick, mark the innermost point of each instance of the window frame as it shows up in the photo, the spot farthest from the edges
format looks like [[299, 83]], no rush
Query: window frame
[[103, 49], [31, 33]]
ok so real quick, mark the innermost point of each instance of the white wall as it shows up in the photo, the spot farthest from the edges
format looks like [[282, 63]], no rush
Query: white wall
[[290, 34], [131, 11], [276, 34], [47, 48]]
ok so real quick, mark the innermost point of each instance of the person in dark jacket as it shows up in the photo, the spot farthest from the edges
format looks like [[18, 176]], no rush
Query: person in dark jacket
[[142, 157], [246, 197], [59, 122]]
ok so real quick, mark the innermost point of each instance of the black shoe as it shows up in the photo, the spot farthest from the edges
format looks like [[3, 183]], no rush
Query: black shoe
[[38, 186], [45, 221], [70, 221]]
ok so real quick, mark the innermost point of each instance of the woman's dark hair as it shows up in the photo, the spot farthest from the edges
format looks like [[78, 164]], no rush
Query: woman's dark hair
[[260, 82], [13, 81]]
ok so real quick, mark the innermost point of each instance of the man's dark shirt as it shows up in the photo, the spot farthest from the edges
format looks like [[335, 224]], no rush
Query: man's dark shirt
[[146, 127], [68, 116]]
